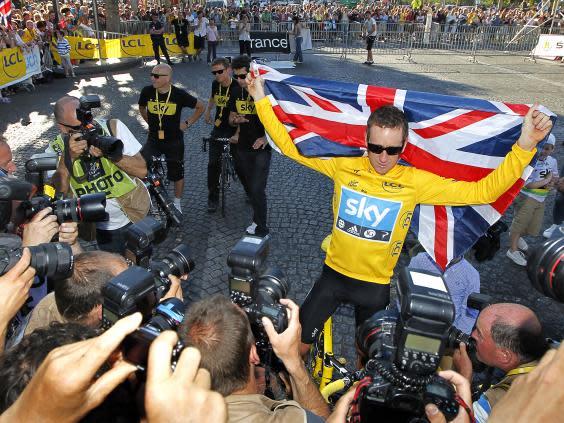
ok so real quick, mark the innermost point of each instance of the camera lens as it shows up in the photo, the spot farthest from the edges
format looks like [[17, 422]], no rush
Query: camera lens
[[110, 146], [168, 315], [273, 285], [177, 262], [92, 207], [88, 208], [54, 260], [376, 334], [545, 268]]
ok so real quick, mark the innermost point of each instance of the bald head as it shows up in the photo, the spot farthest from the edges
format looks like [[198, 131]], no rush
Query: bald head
[[516, 328], [65, 107], [162, 69]]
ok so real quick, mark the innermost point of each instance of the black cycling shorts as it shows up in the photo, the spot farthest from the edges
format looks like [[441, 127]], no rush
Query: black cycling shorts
[[174, 153], [331, 290], [370, 42]]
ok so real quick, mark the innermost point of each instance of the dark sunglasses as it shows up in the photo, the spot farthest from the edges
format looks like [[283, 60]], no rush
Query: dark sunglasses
[[378, 149], [156, 75], [217, 72], [73, 127], [242, 76]]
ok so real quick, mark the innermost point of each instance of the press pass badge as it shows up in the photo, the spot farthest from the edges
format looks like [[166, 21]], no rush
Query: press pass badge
[[161, 134]]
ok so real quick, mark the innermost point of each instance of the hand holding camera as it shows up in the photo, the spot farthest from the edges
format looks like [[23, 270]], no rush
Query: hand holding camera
[[42, 228], [462, 362], [286, 344], [175, 396], [14, 290], [77, 146], [65, 387], [462, 389]]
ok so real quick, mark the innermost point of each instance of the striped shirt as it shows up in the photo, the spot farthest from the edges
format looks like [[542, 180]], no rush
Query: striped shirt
[[63, 47]]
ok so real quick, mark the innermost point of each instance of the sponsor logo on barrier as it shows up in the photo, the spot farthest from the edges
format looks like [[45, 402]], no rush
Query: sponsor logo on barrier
[[11, 64], [85, 49]]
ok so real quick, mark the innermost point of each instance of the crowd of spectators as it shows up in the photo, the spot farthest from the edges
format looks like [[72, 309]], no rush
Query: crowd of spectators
[[34, 23]]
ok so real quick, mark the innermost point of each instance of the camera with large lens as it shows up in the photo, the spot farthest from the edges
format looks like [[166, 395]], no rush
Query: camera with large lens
[[11, 190], [140, 239], [545, 268], [402, 352], [258, 290], [135, 290], [87, 208], [111, 147], [53, 260]]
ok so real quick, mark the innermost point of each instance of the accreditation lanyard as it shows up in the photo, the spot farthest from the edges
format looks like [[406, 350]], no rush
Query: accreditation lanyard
[[218, 119], [160, 113], [520, 371]]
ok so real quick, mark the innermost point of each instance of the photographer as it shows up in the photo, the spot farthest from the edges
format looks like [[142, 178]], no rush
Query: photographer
[[79, 298], [508, 337], [68, 383], [84, 168], [222, 333], [14, 291]]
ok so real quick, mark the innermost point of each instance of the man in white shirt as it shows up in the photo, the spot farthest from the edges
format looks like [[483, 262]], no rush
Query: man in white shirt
[[370, 32]]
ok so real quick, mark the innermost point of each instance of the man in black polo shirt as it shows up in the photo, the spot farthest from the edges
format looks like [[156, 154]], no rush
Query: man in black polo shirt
[[222, 89], [156, 29], [180, 24], [252, 152], [160, 104]]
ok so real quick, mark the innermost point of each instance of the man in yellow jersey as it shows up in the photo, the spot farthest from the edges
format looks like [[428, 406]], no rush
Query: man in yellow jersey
[[373, 202]]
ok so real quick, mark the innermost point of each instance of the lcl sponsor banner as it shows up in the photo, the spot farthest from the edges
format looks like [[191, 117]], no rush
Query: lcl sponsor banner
[[270, 42], [18, 65], [130, 46], [550, 46]]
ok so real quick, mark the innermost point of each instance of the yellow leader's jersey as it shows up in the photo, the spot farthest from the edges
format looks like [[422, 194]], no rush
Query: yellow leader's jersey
[[372, 212]]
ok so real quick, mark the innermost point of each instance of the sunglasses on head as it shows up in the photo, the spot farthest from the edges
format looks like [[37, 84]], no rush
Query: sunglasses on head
[[378, 149], [217, 72], [242, 76], [156, 75]]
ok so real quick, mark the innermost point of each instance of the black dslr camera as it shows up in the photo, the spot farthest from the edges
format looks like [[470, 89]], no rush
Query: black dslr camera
[[403, 353], [135, 291], [87, 208], [139, 241], [258, 291], [110, 146]]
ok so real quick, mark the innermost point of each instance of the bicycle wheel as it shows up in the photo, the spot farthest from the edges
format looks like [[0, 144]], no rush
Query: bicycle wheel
[[224, 182]]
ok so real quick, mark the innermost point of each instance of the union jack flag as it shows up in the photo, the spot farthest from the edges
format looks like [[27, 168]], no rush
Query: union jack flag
[[5, 12], [454, 137]]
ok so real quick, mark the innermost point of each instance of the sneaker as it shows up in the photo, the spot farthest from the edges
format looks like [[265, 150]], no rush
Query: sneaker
[[251, 229], [212, 206], [522, 245], [177, 204], [517, 257], [548, 233]]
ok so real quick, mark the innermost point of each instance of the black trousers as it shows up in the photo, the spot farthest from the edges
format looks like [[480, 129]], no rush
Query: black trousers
[[331, 290], [214, 169], [245, 47], [558, 211], [252, 167], [159, 42]]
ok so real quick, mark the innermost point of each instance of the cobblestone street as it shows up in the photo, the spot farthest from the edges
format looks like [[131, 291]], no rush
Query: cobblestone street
[[300, 199]]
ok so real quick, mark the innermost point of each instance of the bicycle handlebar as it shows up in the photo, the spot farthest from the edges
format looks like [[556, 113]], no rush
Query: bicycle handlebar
[[207, 140], [333, 387]]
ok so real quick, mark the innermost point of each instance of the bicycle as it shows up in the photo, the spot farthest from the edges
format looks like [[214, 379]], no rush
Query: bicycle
[[162, 207], [227, 173]]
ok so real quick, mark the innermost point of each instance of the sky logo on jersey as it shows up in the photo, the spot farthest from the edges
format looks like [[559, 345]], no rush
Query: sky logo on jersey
[[367, 217]]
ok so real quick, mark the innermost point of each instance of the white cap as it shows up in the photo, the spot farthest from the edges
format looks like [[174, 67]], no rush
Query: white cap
[[551, 140]]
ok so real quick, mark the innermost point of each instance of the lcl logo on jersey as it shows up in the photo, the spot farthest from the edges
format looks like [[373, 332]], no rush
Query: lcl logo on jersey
[[367, 217]]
